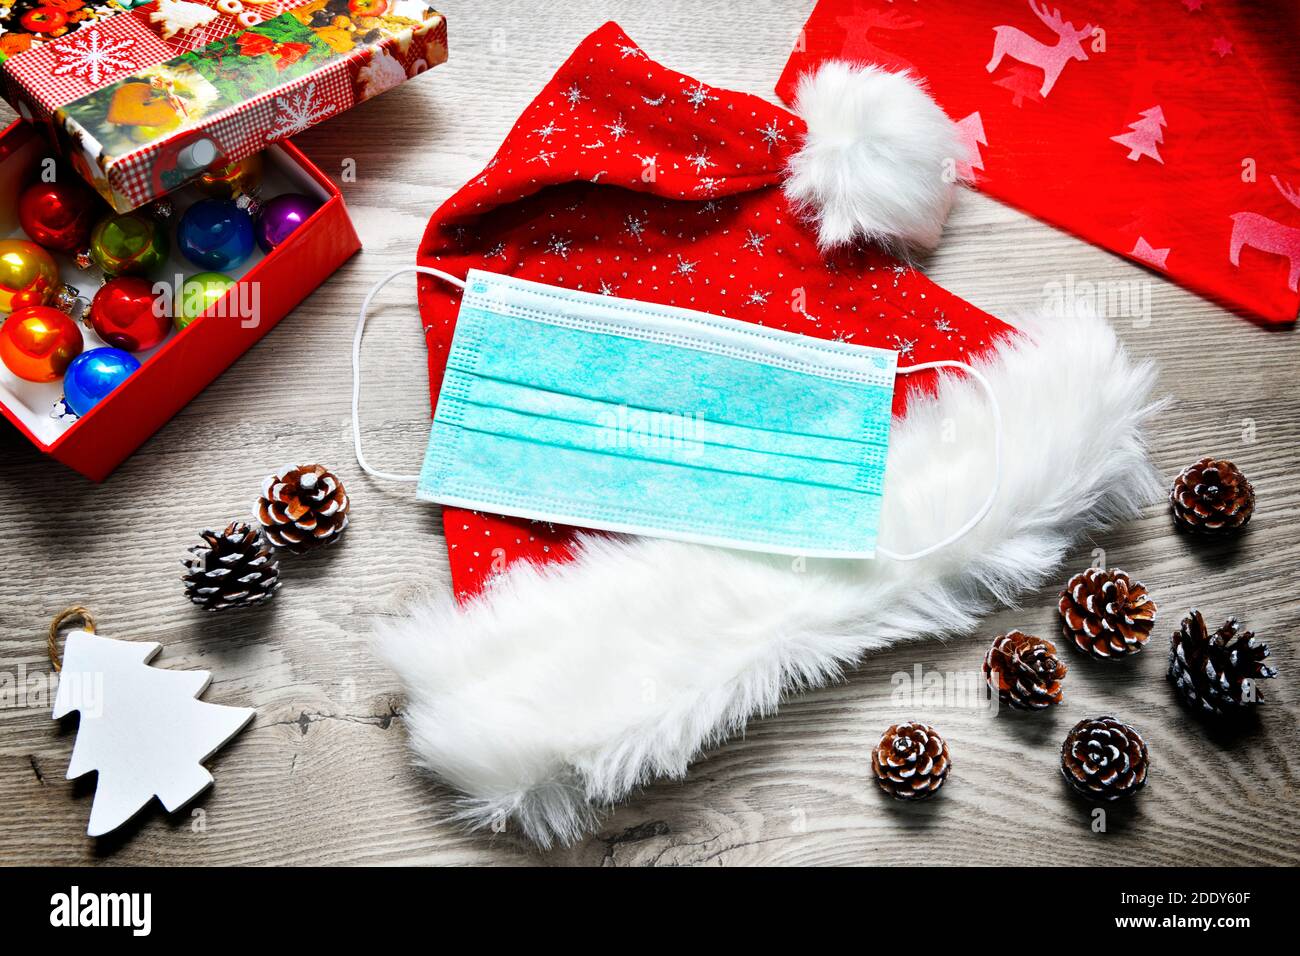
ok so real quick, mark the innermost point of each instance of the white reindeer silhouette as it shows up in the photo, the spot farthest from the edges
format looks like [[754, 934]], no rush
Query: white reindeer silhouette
[[1050, 58], [1268, 235]]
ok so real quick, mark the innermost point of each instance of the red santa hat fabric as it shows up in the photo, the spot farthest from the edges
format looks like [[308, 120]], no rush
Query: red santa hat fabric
[[628, 178], [575, 667], [1166, 132]]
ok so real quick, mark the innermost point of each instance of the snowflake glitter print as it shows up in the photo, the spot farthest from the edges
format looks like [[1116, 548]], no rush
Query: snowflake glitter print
[[144, 101]]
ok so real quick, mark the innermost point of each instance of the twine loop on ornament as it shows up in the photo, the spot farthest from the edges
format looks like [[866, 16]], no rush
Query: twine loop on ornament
[[63, 617]]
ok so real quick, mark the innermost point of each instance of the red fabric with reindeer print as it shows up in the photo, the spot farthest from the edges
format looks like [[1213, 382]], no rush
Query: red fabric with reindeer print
[[1164, 130], [627, 178]]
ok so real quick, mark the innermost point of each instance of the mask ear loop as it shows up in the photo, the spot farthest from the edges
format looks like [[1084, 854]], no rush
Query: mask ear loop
[[356, 362], [985, 508]]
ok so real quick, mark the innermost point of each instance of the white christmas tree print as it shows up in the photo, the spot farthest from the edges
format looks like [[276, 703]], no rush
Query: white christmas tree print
[[1144, 135], [1149, 254], [297, 111], [970, 133], [141, 728], [88, 55]]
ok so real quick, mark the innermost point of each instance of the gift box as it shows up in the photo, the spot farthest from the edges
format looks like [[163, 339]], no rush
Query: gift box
[[267, 287], [143, 97]]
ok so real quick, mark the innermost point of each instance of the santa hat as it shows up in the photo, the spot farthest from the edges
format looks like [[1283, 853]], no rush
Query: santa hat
[[574, 667]]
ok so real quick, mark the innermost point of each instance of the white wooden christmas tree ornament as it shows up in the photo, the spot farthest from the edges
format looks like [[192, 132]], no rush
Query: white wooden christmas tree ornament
[[143, 729]]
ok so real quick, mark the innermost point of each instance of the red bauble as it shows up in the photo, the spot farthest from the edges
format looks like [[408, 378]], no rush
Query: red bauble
[[126, 313], [58, 215], [37, 343], [44, 20]]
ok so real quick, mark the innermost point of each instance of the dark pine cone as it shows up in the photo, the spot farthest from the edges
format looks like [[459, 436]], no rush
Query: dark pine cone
[[303, 509], [1107, 614], [1218, 673], [1024, 670], [231, 568], [1104, 759], [1212, 497], [911, 761]]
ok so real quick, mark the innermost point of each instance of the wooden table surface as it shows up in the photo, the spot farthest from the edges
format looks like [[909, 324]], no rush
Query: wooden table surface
[[322, 774]]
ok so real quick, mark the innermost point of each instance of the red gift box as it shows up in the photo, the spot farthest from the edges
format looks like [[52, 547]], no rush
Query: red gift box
[[142, 99], [188, 360]]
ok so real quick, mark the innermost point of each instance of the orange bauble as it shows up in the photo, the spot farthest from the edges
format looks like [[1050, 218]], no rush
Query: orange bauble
[[37, 343]]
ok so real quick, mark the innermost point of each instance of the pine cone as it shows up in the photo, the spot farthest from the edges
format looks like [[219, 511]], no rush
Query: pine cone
[[1212, 497], [1217, 673], [1024, 670], [911, 761], [232, 568], [304, 509], [1104, 759], [1107, 614]]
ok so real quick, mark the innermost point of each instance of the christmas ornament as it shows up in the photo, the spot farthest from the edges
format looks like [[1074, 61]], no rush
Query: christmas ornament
[[1212, 497], [577, 737], [911, 761], [58, 215], [143, 729], [240, 178], [1104, 759], [304, 508], [279, 217], [1101, 145], [38, 343], [215, 234], [1218, 673], [231, 568], [127, 314], [1024, 671], [44, 20], [28, 275], [95, 373], [1106, 613], [198, 294], [130, 244]]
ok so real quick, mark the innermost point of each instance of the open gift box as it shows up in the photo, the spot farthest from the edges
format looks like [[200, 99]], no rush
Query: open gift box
[[143, 97], [267, 288]]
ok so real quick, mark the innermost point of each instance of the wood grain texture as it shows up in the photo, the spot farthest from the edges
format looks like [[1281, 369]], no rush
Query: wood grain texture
[[322, 774]]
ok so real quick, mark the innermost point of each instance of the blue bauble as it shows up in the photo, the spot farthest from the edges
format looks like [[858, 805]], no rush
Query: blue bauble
[[216, 234], [94, 374]]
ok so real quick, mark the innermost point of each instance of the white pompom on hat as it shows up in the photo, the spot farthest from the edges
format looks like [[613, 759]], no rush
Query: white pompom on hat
[[879, 159]]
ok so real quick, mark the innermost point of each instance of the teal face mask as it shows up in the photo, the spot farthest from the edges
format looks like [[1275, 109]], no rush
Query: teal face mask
[[608, 413]]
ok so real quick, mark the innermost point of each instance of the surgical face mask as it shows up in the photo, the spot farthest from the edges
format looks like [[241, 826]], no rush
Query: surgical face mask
[[609, 413]]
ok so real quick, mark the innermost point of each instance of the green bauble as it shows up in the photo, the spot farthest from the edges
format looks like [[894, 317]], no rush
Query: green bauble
[[129, 244], [198, 294]]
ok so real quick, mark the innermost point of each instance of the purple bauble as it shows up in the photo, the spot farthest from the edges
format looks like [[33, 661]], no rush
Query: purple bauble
[[280, 216]]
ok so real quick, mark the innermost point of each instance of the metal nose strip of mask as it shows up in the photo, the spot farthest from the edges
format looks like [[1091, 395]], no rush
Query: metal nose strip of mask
[[994, 410]]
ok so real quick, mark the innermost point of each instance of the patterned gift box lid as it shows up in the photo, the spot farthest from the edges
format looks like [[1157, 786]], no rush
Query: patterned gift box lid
[[141, 96]]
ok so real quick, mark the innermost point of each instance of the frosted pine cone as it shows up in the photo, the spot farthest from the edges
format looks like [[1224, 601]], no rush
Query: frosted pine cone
[[1212, 497], [1218, 673], [303, 509], [1107, 614], [1024, 671], [231, 568], [911, 761], [1104, 759]]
